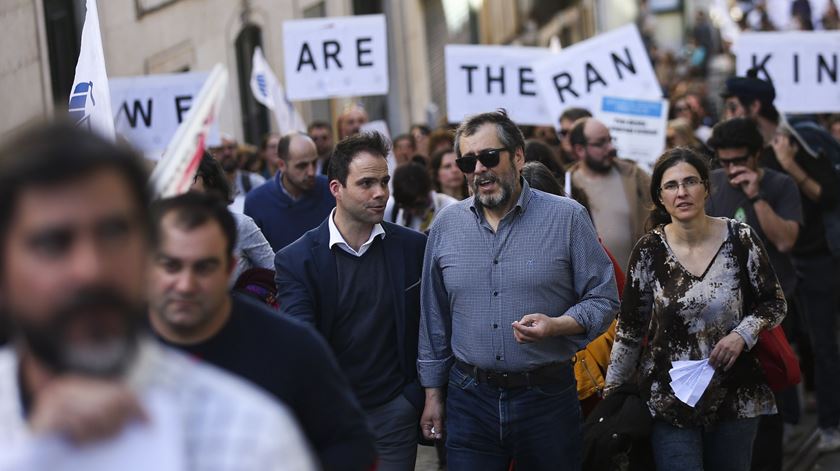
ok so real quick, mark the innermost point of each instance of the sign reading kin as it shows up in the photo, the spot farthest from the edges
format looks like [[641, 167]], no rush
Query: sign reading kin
[[335, 57]]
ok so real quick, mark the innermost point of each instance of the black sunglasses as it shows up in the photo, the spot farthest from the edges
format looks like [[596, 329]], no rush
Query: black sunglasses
[[488, 157]]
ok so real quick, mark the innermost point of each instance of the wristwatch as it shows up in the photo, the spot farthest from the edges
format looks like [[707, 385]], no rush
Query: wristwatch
[[757, 197]]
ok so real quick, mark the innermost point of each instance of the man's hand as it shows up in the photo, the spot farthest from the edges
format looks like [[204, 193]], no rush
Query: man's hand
[[432, 420], [727, 351], [84, 409], [785, 150], [533, 328], [746, 179]]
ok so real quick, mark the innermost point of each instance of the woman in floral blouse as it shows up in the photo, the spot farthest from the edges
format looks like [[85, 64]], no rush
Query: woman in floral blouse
[[683, 300]]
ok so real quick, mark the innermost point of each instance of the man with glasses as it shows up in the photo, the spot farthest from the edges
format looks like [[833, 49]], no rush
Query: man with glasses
[[617, 189], [567, 121], [321, 134], [514, 283]]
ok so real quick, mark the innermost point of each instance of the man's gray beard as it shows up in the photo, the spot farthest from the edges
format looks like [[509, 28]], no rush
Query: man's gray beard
[[494, 201]]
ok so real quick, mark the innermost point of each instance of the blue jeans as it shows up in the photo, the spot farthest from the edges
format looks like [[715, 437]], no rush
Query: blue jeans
[[817, 295], [540, 427], [726, 446]]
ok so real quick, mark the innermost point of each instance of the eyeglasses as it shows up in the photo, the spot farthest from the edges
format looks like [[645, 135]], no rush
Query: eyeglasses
[[740, 161], [488, 157], [602, 143], [673, 186]]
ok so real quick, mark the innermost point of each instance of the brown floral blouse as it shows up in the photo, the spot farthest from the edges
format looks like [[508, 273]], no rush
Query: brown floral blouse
[[683, 316]]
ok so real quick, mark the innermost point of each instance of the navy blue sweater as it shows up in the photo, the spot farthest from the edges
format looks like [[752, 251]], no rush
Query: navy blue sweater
[[283, 220]]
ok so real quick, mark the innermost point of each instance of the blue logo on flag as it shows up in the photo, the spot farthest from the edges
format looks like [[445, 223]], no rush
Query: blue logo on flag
[[263, 86], [78, 103]]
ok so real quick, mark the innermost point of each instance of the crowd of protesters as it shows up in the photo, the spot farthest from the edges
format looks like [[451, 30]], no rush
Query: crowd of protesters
[[484, 288]]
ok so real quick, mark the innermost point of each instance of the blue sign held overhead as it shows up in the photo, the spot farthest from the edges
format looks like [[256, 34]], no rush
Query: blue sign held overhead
[[78, 103], [632, 107]]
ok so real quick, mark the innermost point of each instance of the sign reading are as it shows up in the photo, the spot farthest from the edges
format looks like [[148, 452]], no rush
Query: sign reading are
[[149, 108], [802, 65], [335, 57], [484, 78], [610, 64]]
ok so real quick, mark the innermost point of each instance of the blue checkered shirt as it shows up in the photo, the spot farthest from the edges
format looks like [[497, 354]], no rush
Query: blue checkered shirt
[[544, 257]]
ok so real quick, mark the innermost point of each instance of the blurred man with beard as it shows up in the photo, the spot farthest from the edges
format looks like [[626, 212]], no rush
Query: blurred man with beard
[[350, 121], [74, 232], [617, 189], [514, 283], [296, 199], [241, 181]]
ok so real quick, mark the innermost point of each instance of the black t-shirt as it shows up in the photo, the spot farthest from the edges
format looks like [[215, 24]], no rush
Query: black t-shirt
[[780, 192], [292, 362]]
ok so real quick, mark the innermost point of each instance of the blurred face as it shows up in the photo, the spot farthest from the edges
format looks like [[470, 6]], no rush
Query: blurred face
[[188, 292], [74, 273], [598, 153], [683, 193], [682, 110], [449, 175], [565, 129], [351, 122], [835, 130], [299, 170], [403, 151], [322, 137], [270, 153], [732, 108], [736, 161], [363, 198], [227, 155], [493, 187], [422, 141]]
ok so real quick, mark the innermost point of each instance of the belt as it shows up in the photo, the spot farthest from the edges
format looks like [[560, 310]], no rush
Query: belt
[[553, 373]]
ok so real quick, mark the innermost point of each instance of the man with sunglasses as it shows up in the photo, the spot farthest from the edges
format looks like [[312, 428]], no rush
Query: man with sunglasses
[[514, 283], [618, 190]]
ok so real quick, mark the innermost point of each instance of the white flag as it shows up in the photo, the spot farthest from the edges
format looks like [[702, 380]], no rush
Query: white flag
[[268, 91], [90, 97], [174, 172]]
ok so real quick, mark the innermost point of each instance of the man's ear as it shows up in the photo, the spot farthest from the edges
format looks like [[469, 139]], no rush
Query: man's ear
[[335, 186]]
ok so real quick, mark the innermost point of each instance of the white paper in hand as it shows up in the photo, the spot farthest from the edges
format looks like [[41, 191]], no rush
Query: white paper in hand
[[690, 378]]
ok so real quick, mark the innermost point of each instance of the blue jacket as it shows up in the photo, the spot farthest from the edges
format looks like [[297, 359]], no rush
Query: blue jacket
[[281, 219], [307, 288]]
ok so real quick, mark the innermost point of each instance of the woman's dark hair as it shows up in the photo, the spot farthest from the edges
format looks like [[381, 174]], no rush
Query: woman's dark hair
[[411, 181], [537, 151], [213, 177], [539, 177], [672, 157]]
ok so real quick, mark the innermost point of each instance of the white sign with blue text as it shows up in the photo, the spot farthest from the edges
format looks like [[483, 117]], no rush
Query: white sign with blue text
[[637, 126]]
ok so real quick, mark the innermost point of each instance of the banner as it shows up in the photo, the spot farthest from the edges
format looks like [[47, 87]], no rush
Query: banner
[[149, 108], [638, 127], [174, 173], [484, 78], [90, 97], [802, 65], [610, 64], [335, 57], [268, 91]]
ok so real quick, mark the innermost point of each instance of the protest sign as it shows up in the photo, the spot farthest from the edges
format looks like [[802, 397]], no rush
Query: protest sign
[[614, 63], [268, 91], [802, 65], [483, 78], [149, 108], [174, 173], [637, 126], [335, 57], [90, 98]]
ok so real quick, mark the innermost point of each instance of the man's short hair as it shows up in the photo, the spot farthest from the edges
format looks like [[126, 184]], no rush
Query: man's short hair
[[57, 153], [266, 139], [192, 210], [411, 181], [577, 135], [574, 114], [213, 177], [349, 147], [318, 125], [285, 142], [736, 133], [509, 135]]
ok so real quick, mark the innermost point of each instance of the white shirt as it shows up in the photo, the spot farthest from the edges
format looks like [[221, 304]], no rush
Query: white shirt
[[227, 424], [337, 239]]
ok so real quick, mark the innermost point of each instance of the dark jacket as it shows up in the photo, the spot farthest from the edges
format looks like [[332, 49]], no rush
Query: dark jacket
[[307, 288]]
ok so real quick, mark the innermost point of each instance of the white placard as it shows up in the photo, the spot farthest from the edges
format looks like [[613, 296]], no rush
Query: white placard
[[638, 127], [610, 64], [335, 57], [148, 109], [803, 66], [483, 78]]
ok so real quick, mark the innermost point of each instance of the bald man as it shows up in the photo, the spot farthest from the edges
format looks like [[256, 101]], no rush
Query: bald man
[[351, 120], [296, 199]]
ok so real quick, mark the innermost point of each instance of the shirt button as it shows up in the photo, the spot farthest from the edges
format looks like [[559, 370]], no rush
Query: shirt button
[[495, 326], [498, 357], [495, 293], [495, 262]]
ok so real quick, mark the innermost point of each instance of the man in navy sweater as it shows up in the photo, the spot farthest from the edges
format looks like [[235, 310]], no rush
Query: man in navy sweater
[[192, 310], [296, 199]]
